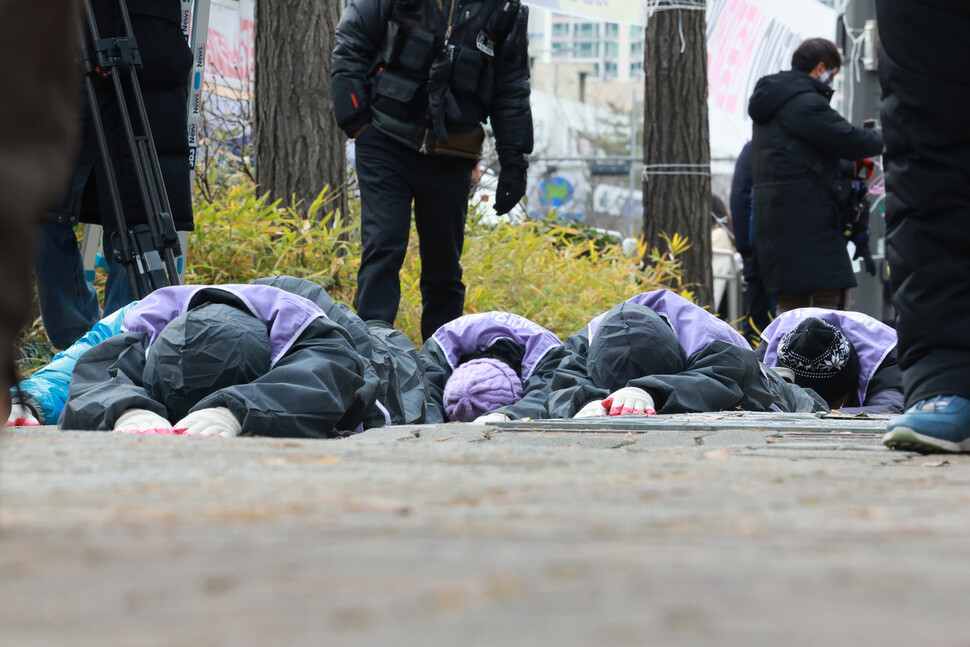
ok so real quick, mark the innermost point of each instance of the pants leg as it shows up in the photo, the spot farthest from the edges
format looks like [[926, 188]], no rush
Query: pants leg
[[757, 308], [924, 69], [440, 209], [38, 123], [117, 288], [383, 171], [68, 303]]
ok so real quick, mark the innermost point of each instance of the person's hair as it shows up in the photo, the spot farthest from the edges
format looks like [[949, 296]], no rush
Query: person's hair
[[812, 52]]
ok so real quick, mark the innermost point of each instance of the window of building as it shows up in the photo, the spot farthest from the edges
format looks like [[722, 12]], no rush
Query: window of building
[[609, 70], [560, 29], [636, 68], [586, 30], [611, 30], [587, 50], [612, 49]]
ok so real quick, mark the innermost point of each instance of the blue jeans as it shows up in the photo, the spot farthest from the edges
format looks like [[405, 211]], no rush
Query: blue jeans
[[68, 303]]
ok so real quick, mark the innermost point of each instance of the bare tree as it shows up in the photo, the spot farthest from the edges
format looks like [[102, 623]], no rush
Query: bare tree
[[676, 142], [299, 149]]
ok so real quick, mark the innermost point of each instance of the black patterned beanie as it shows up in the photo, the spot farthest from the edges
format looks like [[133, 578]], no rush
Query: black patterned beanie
[[821, 357]]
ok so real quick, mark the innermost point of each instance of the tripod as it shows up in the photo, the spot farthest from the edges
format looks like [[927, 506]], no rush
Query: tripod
[[147, 251]]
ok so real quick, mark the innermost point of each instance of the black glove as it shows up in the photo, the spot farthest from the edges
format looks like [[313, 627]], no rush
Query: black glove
[[511, 187], [862, 251]]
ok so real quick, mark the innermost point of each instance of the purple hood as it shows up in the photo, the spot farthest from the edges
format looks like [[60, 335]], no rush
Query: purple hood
[[286, 315], [695, 327], [872, 339], [475, 332]]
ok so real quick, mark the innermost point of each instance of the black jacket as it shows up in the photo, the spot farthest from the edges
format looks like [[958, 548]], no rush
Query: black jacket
[[164, 82], [801, 249], [742, 213], [391, 67]]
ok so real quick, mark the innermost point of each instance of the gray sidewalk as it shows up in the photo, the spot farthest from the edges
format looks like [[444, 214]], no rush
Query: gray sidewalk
[[727, 529]]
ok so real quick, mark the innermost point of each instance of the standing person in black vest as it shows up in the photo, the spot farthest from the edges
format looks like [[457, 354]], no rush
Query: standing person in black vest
[[924, 69], [413, 82], [68, 303], [797, 154]]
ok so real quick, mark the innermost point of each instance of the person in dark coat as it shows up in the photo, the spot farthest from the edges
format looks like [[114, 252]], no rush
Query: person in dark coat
[[659, 353], [68, 303], [848, 358], [924, 69], [798, 144], [392, 358], [489, 366], [413, 82], [224, 360], [392, 361], [758, 306]]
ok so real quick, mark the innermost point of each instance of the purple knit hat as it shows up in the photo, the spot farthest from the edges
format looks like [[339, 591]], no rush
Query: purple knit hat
[[480, 386]]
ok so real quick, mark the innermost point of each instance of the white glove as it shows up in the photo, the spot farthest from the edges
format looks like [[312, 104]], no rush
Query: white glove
[[594, 409], [140, 420], [214, 421], [495, 416], [629, 400], [21, 415]]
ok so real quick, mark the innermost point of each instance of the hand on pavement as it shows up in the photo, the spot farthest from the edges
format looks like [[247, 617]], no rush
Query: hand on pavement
[[495, 416], [214, 421], [21, 416], [629, 400], [140, 420], [594, 409]]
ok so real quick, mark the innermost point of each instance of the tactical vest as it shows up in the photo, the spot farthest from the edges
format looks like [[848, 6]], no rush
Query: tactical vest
[[435, 70]]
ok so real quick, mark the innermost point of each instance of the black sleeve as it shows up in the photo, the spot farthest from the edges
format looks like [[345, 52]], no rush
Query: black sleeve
[[316, 390], [359, 35], [813, 120], [511, 111], [571, 386], [436, 374], [742, 202], [536, 390], [106, 382], [716, 378], [885, 391]]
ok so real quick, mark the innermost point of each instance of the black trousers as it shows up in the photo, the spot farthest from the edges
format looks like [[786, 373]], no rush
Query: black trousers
[[924, 70], [391, 177], [758, 309]]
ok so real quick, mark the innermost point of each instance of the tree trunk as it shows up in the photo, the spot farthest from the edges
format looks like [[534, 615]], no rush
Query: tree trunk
[[299, 149], [677, 199]]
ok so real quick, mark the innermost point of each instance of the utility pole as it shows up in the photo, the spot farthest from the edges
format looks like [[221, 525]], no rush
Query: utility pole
[[676, 137]]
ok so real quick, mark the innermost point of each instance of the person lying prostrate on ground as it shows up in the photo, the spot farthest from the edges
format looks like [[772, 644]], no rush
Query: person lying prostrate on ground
[[675, 358], [391, 355], [41, 397], [224, 360], [848, 358], [393, 360], [489, 366]]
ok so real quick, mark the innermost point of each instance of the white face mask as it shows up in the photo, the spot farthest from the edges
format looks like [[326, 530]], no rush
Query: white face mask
[[828, 76]]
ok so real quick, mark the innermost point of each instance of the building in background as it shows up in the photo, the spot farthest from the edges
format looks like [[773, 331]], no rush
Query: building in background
[[586, 60]]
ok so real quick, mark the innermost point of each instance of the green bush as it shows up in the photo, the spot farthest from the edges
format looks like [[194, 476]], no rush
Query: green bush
[[558, 274], [554, 273]]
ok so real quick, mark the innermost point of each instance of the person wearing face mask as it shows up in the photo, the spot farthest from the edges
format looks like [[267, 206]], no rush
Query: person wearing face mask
[[801, 150]]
